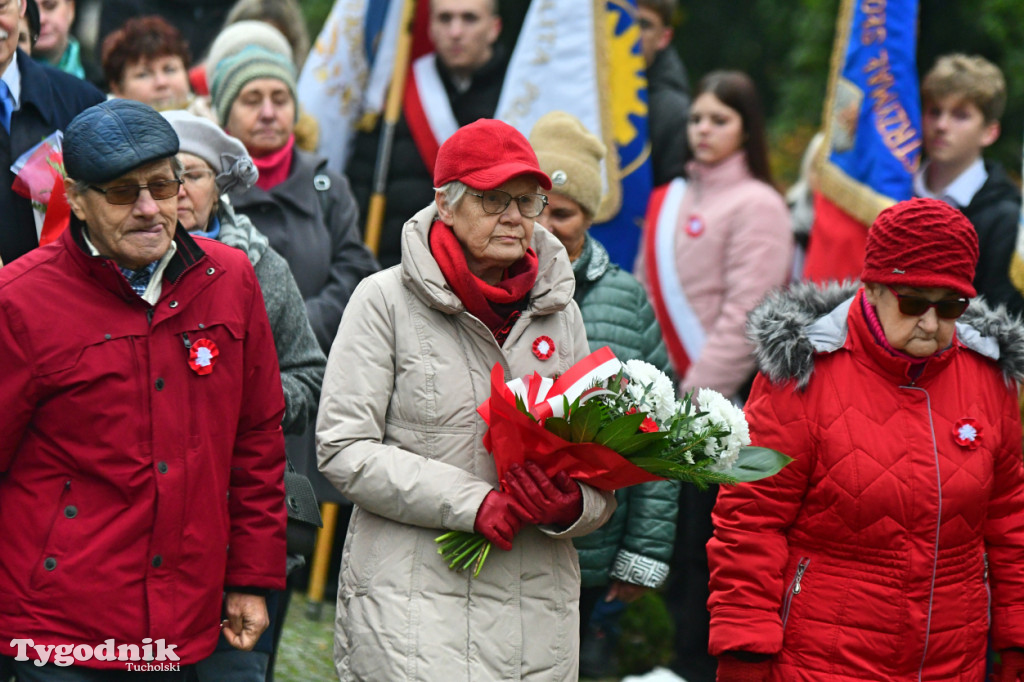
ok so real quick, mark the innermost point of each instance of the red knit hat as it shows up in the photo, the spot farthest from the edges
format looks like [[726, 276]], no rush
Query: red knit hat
[[486, 154], [922, 243]]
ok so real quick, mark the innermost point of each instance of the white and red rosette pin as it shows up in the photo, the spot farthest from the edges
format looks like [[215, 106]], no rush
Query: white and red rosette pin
[[202, 356], [967, 433], [543, 347]]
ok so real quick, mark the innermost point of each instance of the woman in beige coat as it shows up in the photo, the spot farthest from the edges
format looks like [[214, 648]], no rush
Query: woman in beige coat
[[399, 435]]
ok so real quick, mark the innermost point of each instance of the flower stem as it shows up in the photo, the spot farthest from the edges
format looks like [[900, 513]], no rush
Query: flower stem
[[481, 559], [475, 545]]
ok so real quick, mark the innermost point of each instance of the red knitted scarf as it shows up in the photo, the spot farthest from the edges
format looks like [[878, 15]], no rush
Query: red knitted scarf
[[275, 166], [496, 306]]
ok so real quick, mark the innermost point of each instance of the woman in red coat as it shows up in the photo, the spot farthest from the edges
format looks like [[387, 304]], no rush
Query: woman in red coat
[[893, 545]]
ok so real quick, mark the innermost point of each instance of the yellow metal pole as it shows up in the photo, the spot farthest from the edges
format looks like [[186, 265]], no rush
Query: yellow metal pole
[[321, 559]]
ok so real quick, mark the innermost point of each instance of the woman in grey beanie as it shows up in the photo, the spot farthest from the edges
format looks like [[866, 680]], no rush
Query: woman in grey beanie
[[215, 163]]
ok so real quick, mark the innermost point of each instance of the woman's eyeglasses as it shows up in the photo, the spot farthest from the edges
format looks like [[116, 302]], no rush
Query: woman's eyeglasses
[[496, 201], [122, 195], [196, 176], [915, 306]]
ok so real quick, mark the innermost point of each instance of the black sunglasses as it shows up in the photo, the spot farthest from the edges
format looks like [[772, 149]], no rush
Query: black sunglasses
[[122, 195], [915, 306]]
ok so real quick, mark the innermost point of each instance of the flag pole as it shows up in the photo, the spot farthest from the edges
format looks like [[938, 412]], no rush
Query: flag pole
[[392, 111]]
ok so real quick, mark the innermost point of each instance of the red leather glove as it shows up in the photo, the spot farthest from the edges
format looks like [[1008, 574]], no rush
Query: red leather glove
[[554, 501], [1011, 666], [733, 669], [499, 518]]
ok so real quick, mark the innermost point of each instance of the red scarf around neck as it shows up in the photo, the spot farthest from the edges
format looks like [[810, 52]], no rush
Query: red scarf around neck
[[497, 306], [275, 166]]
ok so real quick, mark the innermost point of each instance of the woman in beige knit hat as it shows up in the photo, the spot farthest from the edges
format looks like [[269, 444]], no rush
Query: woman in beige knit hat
[[629, 554]]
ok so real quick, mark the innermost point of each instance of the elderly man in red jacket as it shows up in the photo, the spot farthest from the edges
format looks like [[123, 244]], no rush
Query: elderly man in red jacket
[[141, 454]]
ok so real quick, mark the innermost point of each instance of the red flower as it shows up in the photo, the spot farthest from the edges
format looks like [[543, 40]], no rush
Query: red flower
[[202, 356], [543, 347], [648, 425], [967, 433]]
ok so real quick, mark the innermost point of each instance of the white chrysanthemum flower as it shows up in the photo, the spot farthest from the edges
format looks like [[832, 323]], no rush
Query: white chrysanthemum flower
[[660, 399], [725, 450]]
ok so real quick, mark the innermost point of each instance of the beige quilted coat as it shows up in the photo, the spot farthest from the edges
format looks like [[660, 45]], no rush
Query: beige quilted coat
[[399, 435]]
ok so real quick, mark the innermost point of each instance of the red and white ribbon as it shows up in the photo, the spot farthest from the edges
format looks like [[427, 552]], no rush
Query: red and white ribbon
[[545, 397]]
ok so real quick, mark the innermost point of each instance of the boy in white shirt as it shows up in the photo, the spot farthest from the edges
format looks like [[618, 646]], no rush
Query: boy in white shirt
[[963, 98]]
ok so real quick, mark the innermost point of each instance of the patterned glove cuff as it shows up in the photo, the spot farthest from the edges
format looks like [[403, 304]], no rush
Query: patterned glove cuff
[[638, 569]]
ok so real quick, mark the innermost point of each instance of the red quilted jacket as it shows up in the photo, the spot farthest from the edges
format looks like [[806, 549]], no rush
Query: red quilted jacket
[[865, 558]]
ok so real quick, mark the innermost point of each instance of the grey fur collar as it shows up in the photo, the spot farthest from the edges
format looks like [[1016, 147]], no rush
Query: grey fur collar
[[789, 327]]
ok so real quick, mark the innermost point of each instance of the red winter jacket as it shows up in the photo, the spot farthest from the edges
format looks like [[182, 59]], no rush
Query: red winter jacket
[[865, 558], [132, 488]]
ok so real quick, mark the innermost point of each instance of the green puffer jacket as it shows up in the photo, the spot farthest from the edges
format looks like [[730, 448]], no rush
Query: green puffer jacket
[[635, 545]]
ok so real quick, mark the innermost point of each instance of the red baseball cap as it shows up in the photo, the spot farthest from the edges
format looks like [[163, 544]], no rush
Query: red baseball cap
[[486, 154]]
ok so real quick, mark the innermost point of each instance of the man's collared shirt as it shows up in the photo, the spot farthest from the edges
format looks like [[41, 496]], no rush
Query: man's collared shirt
[[154, 286], [958, 193], [12, 77]]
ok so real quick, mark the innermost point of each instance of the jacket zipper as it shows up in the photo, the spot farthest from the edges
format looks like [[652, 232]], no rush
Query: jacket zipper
[[938, 526], [794, 588], [988, 590]]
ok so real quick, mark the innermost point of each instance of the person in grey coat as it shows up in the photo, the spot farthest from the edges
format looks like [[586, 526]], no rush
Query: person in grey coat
[[306, 210], [214, 163]]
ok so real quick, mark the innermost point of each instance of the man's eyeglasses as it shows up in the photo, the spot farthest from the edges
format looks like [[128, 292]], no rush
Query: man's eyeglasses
[[496, 201], [123, 195], [915, 306]]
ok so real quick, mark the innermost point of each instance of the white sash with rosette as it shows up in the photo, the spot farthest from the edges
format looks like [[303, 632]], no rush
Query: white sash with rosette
[[680, 327]]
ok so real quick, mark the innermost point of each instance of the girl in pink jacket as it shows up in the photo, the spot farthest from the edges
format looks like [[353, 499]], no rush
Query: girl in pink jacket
[[717, 243]]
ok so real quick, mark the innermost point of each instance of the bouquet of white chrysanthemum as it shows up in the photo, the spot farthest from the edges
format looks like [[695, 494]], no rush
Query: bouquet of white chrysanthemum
[[612, 425]]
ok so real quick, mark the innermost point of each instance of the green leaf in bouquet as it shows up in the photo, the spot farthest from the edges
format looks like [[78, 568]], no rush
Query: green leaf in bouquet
[[680, 471], [559, 427], [640, 443], [585, 422], [521, 406], [755, 463], [616, 434]]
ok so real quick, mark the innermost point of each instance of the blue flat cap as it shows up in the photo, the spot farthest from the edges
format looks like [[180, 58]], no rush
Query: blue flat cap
[[115, 137]]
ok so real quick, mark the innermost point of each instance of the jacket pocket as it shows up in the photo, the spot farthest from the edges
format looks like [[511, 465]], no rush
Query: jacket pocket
[[361, 556], [49, 562], [795, 588]]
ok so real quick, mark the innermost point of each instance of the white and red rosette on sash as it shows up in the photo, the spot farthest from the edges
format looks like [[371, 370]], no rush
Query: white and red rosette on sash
[[680, 327]]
